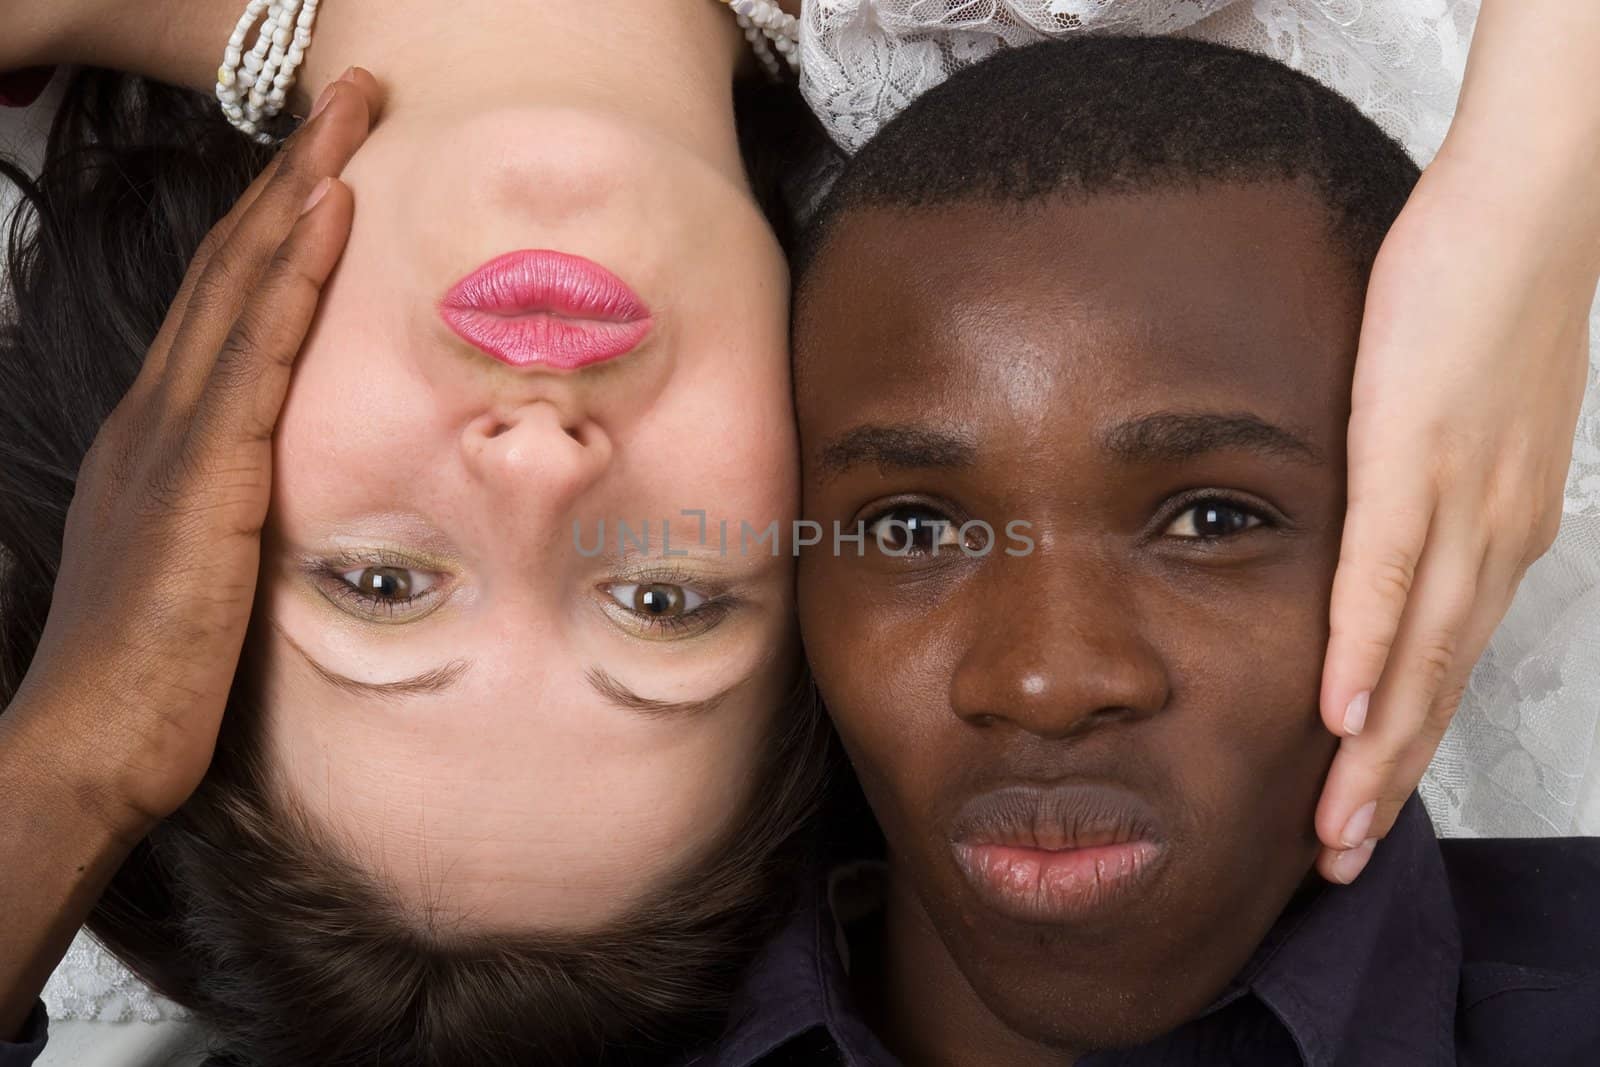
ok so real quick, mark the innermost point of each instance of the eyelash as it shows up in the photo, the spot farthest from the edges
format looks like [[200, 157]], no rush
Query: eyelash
[[1266, 517], [893, 507], [701, 619], [332, 584]]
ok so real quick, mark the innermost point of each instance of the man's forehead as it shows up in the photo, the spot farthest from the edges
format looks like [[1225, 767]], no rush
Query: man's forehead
[[1237, 288], [970, 239]]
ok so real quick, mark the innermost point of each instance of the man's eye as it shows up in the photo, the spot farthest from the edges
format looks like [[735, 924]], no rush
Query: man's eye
[[913, 531], [656, 600], [1213, 519]]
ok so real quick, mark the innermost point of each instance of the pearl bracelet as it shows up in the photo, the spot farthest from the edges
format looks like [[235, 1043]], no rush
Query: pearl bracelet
[[769, 29], [253, 86]]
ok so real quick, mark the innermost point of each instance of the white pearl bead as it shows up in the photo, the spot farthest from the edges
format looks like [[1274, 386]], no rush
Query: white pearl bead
[[773, 33], [252, 85]]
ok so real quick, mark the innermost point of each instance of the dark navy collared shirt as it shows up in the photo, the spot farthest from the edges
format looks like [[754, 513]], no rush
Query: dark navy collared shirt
[[1458, 953]]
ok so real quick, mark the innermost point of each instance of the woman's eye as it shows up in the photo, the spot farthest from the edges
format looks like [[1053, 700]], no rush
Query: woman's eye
[[656, 600], [379, 590], [1213, 519], [388, 585], [914, 531], [664, 610]]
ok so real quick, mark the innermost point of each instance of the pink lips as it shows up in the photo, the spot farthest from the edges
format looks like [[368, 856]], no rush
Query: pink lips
[[1057, 855], [548, 309]]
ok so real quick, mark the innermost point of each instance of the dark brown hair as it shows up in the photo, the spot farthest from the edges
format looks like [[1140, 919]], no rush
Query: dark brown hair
[[240, 906]]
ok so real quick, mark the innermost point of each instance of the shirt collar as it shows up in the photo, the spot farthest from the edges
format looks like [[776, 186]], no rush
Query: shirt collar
[[797, 985], [1368, 973], [783, 995]]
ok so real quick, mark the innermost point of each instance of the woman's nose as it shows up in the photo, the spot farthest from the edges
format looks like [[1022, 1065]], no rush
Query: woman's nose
[[1057, 649], [536, 454]]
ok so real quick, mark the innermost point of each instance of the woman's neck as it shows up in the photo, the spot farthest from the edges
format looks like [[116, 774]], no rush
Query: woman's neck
[[665, 64], [668, 63]]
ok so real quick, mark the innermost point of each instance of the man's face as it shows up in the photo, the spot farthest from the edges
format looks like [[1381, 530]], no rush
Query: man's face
[[1095, 759]]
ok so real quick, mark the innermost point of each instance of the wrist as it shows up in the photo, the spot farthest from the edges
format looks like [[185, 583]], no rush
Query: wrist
[[54, 764], [33, 34], [1550, 211], [176, 43], [57, 854]]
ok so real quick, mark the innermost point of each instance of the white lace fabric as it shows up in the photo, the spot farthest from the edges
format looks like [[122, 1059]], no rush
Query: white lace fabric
[[103, 1016], [1400, 60], [91, 985], [1522, 757]]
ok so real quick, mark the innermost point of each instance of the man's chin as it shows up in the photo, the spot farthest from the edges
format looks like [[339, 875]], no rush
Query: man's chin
[[1081, 1015]]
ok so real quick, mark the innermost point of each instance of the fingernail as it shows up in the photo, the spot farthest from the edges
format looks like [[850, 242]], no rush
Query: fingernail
[[317, 194], [1355, 714], [1355, 831], [322, 102], [1347, 866], [349, 75]]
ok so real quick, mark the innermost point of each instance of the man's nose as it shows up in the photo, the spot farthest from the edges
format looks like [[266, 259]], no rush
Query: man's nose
[[1056, 649], [539, 455]]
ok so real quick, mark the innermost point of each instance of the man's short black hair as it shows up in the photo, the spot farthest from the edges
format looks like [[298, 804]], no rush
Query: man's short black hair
[[1094, 116]]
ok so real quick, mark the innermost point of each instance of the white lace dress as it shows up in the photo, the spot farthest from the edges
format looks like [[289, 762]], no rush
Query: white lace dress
[[1521, 758]]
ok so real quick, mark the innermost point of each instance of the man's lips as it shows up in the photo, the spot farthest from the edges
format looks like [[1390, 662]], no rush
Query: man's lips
[[542, 308], [1056, 854]]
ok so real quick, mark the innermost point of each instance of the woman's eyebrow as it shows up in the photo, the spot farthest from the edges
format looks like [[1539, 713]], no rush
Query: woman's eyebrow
[[895, 447], [626, 699], [1177, 436], [432, 681]]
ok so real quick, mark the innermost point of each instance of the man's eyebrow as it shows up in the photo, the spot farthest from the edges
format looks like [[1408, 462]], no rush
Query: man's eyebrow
[[895, 447], [433, 681], [626, 699], [1177, 436]]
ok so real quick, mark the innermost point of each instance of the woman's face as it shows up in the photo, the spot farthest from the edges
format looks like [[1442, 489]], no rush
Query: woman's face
[[505, 728]]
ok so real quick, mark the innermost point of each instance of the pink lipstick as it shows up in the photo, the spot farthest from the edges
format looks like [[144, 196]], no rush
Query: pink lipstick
[[546, 309], [1056, 856]]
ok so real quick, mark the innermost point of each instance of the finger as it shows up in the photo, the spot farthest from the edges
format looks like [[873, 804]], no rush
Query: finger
[[1497, 582], [233, 424], [219, 234], [1345, 865], [155, 360], [370, 90], [226, 282], [1371, 776], [1385, 530], [1340, 864]]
